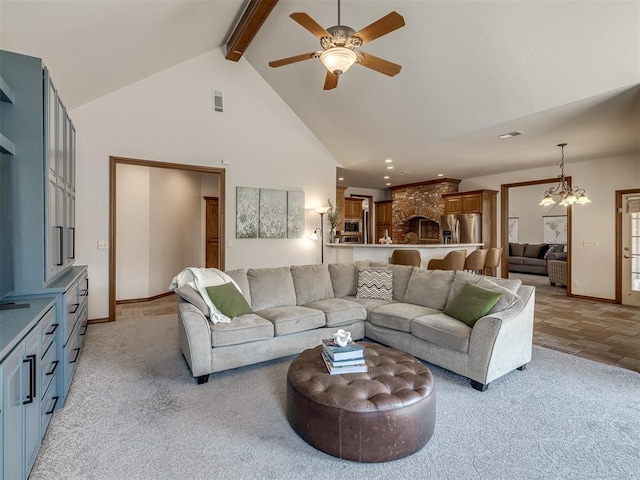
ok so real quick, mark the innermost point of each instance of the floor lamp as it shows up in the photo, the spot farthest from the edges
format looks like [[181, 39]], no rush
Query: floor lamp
[[321, 211]]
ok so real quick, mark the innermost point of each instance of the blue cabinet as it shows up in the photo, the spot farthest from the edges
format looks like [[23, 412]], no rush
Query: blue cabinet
[[44, 139], [27, 357]]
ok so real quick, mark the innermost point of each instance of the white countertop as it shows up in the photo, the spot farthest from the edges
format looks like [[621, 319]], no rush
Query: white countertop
[[349, 252]]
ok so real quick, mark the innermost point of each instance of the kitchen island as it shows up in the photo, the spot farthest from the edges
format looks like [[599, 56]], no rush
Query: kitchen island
[[346, 252]]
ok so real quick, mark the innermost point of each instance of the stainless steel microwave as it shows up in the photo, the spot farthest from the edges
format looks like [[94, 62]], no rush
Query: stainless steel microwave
[[352, 226]]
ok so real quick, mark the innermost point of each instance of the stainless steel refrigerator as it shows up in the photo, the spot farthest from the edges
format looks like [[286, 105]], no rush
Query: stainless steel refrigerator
[[461, 228]]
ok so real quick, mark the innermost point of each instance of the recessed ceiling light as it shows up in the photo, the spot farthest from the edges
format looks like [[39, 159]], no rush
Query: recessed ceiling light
[[440, 175], [390, 167], [388, 160], [388, 184], [386, 177], [515, 133]]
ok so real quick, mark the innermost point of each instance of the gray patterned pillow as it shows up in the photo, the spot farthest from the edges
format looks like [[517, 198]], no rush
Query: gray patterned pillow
[[375, 283]]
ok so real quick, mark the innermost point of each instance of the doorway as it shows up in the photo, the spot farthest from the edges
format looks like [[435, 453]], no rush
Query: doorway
[[113, 163], [628, 247], [505, 191], [212, 240]]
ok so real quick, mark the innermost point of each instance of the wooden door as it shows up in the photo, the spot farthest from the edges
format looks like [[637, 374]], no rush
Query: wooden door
[[212, 233]]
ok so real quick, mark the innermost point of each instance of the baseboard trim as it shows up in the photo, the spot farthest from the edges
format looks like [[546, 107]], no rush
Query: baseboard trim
[[98, 320], [595, 299], [138, 300]]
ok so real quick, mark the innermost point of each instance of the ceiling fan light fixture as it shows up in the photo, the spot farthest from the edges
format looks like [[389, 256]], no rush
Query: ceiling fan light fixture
[[338, 59]]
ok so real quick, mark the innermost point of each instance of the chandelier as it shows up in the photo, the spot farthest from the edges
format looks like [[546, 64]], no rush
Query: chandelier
[[568, 195]]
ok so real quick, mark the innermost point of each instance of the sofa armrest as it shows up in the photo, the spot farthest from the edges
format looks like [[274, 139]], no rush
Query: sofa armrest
[[195, 338], [557, 256], [502, 341]]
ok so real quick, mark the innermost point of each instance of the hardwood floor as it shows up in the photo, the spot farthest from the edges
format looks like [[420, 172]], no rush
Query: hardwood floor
[[603, 332]]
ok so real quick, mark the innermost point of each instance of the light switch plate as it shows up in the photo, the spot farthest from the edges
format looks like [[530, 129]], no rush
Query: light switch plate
[[590, 243], [103, 245]]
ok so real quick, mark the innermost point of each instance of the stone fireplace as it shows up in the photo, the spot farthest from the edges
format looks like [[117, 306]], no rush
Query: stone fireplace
[[417, 208]]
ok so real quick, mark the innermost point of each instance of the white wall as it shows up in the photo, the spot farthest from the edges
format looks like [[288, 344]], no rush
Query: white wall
[[174, 226], [524, 204], [132, 230], [158, 228], [592, 267], [168, 117]]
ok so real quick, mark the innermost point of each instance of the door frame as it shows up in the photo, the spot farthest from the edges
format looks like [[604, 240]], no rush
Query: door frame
[[619, 194], [504, 222], [113, 163]]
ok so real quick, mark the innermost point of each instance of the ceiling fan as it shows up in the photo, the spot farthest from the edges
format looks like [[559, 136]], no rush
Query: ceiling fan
[[339, 44]]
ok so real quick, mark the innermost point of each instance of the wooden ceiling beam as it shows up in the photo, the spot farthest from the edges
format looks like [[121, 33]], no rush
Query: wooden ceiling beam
[[252, 19]]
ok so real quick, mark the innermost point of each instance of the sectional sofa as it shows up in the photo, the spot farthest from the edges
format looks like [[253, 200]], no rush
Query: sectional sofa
[[294, 308]]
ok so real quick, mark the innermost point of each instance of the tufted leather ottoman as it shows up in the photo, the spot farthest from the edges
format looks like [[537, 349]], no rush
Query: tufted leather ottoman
[[384, 414]]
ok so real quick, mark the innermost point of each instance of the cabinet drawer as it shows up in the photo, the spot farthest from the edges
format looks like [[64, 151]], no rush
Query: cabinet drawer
[[71, 356], [49, 327], [82, 322], [48, 405], [72, 308], [49, 367]]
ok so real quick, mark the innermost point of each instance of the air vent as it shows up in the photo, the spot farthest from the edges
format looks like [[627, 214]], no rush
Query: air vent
[[510, 135], [217, 101]]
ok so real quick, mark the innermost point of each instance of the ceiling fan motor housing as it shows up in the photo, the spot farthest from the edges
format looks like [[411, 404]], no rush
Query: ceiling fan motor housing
[[341, 36]]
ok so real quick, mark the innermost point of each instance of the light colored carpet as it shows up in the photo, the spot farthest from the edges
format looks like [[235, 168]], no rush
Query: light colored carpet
[[134, 412]]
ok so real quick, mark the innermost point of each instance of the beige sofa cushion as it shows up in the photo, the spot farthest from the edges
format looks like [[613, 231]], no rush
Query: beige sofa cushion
[[344, 279], [293, 319], [243, 329], [507, 287], [240, 277], [311, 283], [398, 316], [339, 311], [442, 330], [429, 288], [271, 287]]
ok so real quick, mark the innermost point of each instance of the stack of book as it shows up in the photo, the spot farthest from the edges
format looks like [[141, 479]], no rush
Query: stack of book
[[347, 359]]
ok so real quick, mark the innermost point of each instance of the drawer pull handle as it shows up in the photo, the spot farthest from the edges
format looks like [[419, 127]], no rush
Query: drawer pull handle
[[75, 308], [54, 327], [77, 350], [84, 293], [84, 332], [55, 402], [31, 360], [55, 366]]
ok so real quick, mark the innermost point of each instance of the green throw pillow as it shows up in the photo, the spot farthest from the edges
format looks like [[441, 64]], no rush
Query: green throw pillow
[[228, 299], [472, 303]]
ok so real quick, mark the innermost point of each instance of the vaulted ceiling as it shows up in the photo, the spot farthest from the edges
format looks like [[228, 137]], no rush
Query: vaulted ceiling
[[558, 71]]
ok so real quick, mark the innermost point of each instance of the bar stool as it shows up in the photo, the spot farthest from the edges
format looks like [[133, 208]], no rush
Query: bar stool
[[475, 261], [493, 261], [406, 257], [452, 261]]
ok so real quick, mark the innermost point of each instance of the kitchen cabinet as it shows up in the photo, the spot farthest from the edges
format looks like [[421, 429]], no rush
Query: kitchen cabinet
[[353, 208], [28, 363], [340, 206], [383, 219], [44, 137], [476, 201]]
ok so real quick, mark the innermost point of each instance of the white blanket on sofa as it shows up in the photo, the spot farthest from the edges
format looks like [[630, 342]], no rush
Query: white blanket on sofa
[[199, 278]]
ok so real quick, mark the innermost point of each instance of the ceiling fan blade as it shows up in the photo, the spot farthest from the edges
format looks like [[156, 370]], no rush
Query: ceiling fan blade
[[386, 24], [380, 65], [288, 60], [310, 24], [330, 81]]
